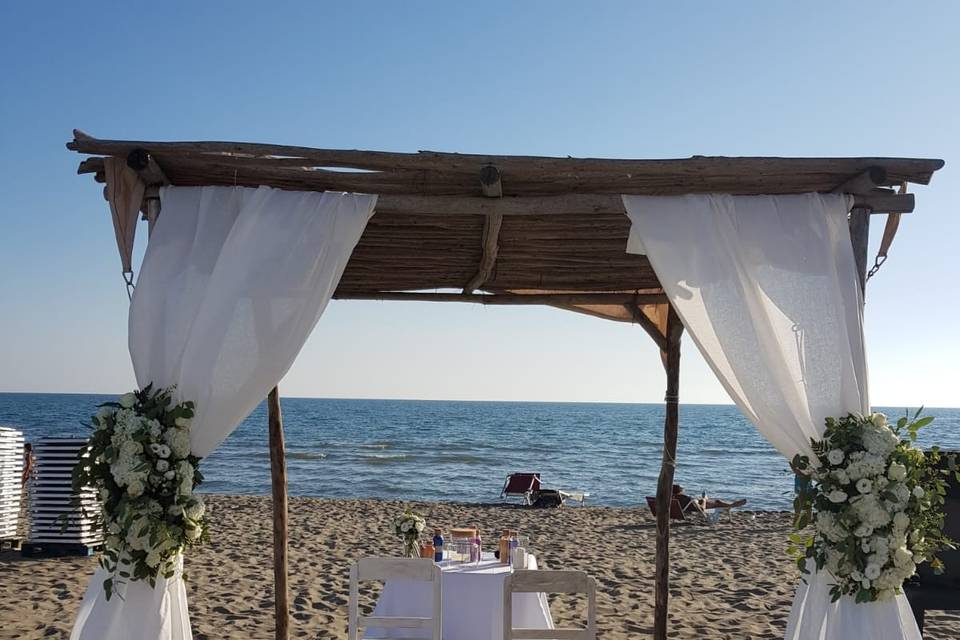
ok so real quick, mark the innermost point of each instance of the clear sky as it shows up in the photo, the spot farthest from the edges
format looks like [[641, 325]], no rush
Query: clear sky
[[614, 79]]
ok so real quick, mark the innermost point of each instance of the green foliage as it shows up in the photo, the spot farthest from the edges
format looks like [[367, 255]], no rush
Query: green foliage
[[854, 498], [139, 462]]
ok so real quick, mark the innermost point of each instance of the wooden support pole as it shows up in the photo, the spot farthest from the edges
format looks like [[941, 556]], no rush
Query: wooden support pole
[[278, 482], [860, 239], [671, 362]]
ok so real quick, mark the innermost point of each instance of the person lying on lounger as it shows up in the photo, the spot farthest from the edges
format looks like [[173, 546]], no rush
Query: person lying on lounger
[[704, 503]]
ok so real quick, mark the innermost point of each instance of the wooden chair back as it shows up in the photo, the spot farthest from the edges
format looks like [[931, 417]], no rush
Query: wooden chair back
[[568, 582], [382, 570], [676, 511]]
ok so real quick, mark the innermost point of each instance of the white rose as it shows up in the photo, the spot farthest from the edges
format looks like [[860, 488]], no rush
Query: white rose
[[918, 492], [163, 451], [902, 556], [879, 419], [841, 476], [863, 531], [864, 485], [872, 572], [162, 466], [170, 475], [856, 576], [897, 472], [865, 546], [835, 456], [865, 584], [135, 489], [836, 496]]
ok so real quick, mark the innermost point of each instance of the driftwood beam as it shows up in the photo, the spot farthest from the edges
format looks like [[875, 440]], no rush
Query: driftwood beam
[[147, 168], [490, 182], [567, 204], [647, 325], [491, 247], [899, 169], [864, 182], [509, 299]]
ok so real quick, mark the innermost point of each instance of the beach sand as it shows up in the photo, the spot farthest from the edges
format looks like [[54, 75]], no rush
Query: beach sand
[[732, 580]]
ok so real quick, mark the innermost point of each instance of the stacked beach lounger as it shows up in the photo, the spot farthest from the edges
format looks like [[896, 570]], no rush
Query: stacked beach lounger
[[11, 479], [57, 525]]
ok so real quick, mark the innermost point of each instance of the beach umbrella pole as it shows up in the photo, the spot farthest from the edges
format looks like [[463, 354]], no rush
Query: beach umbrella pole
[[278, 482]]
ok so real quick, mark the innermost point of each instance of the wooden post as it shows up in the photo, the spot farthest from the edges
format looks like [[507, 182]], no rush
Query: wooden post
[[860, 238], [278, 481], [671, 362]]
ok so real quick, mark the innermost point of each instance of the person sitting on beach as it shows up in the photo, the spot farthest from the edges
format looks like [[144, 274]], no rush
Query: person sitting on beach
[[702, 504], [27, 463]]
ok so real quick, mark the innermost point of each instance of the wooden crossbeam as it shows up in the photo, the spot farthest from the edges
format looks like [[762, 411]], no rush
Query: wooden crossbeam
[[509, 299]]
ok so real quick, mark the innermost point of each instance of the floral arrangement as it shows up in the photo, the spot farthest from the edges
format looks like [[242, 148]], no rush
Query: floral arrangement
[[139, 461], [875, 504], [408, 526]]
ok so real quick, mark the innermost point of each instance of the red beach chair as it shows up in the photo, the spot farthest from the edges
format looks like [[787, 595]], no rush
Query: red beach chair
[[521, 485]]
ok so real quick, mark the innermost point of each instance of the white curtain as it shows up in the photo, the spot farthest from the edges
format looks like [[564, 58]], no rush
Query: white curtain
[[233, 282], [767, 288]]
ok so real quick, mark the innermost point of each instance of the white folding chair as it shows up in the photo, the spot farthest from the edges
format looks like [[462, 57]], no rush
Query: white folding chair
[[384, 569], [576, 582]]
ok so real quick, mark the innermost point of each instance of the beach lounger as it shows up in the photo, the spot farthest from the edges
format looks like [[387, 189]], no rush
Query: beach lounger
[[521, 485], [676, 511]]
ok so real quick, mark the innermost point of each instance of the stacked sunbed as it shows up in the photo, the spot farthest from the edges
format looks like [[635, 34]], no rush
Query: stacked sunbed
[[11, 478], [58, 525]]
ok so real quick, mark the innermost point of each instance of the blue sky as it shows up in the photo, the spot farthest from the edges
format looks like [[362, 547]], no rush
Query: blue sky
[[585, 79]]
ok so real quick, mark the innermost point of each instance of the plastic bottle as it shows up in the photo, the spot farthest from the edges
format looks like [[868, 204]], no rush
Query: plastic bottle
[[437, 545], [478, 546]]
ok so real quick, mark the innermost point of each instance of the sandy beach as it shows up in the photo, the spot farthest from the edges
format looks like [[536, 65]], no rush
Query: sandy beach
[[729, 581]]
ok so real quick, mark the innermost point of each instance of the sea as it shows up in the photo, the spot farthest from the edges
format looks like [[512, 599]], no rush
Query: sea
[[463, 451]]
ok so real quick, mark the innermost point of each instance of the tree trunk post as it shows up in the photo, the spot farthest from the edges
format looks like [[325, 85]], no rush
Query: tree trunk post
[[671, 362], [278, 481]]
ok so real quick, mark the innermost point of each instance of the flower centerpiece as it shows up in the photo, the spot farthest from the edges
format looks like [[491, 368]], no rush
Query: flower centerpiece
[[408, 526], [875, 505], [139, 461]]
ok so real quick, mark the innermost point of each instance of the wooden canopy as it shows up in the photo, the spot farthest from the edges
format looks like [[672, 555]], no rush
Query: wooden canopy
[[531, 230], [519, 229]]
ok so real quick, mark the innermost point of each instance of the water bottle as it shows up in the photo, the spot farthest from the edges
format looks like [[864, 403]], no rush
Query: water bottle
[[437, 545]]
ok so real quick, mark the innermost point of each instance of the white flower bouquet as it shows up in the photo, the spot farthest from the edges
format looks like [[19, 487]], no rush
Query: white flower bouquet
[[875, 505], [139, 460], [408, 526]]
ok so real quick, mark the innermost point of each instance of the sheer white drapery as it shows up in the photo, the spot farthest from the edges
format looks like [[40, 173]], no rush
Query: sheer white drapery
[[233, 281], [767, 288]]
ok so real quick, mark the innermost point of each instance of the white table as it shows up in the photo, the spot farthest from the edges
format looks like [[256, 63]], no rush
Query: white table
[[472, 603]]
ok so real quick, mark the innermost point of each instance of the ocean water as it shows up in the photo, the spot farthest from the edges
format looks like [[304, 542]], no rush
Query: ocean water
[[462, 451]]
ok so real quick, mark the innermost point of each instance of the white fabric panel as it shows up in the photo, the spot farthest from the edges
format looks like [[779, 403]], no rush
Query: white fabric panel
[[232, 284], [233, 281], [767, 288]]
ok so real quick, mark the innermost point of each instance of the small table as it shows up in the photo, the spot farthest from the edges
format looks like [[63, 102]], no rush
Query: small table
[[472, 602]]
